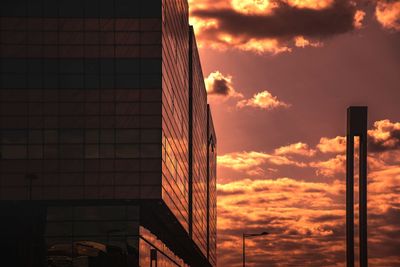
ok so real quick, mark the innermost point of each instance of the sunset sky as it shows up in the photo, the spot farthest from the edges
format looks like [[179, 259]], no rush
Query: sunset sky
[[280, 75]]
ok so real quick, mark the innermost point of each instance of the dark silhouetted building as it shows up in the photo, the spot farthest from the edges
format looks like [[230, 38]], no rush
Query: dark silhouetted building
[[107, 146]]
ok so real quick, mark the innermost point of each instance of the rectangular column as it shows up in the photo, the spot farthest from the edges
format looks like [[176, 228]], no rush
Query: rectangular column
[[357, 120]]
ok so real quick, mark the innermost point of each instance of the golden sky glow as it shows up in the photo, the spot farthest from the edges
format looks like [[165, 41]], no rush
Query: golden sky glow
[[279, 76]]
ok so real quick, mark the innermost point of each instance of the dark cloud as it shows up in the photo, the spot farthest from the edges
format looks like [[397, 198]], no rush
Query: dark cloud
[[326, 218], [392, 142], [219, 84], [220, 87], [284, 22]]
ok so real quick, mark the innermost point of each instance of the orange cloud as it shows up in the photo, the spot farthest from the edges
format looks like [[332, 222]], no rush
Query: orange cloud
[[330, 167], [296, 149], [388, 14], [300, 41], [385, 135], [311, 4], [246, 161], [221, 85], [263, 100], [332, 145], [358, 19], [287, 209], [305, 219]]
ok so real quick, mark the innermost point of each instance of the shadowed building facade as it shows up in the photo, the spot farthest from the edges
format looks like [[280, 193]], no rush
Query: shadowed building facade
[[104, 135]]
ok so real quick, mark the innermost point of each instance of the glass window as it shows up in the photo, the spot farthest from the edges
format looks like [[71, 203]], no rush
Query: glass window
[[127, 151], [13, 152], [71, 151], [91, 151], [106, 151], [128, 81], [71, 65], [71, 81], [107, 136], [150, 66], [35, 152], [127, 136], [50, 136], [70, 8], [71, 136], [150, 81], [127, 65], [150, 151], [92, 136], [35, 136], [50, 151], [150, 9], [13, 136], [127, 9]]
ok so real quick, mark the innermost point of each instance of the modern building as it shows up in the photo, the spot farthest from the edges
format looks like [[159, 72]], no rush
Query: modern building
[[107, 146]]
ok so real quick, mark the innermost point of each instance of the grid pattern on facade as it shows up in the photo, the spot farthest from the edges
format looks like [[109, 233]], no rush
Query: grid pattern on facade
[[153, 252], [198, 148], [212, 191], [175, 98], [80, 101], [89, 236]]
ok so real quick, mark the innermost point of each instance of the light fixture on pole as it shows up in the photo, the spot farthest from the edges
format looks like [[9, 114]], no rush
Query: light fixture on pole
[[244, 243]]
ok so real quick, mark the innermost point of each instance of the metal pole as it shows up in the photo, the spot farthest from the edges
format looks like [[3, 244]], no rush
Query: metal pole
[[244, 251], [363, 201], [350, 200]]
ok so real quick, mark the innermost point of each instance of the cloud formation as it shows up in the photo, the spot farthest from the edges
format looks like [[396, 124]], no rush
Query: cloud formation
[[330, 167], [246, 161], [306, 219], [385, 135], [299, 148], [221, 85], [263, 100], [388, 14], [272, 26], [332, 145]]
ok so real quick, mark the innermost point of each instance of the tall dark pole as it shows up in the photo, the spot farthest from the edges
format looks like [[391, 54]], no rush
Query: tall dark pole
[[363, 202], [357, 120], [244, 251], [350, 201]]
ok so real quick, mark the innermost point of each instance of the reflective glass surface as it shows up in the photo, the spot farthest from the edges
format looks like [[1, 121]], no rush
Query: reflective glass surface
[[198, 146], [175, 108]]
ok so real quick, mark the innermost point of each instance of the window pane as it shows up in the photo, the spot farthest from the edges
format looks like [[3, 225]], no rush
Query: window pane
[[92, 151], [127, 136], [35, 137], [71, 136], [35, 152], [127, 151], [92, 136], [106, 151], [13, 152], [13, 136], [107, 136]]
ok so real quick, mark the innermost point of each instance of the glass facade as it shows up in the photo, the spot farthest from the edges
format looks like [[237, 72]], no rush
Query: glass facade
[[212, 189], [154, 253], [175, 108], [198, 147], [80, 99], [96, 97], [92, 236]]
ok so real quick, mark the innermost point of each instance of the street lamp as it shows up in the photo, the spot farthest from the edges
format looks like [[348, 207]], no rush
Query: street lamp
[[244, 244]]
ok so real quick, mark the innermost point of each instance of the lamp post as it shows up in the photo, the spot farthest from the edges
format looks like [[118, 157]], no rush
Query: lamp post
[[244, 243]]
